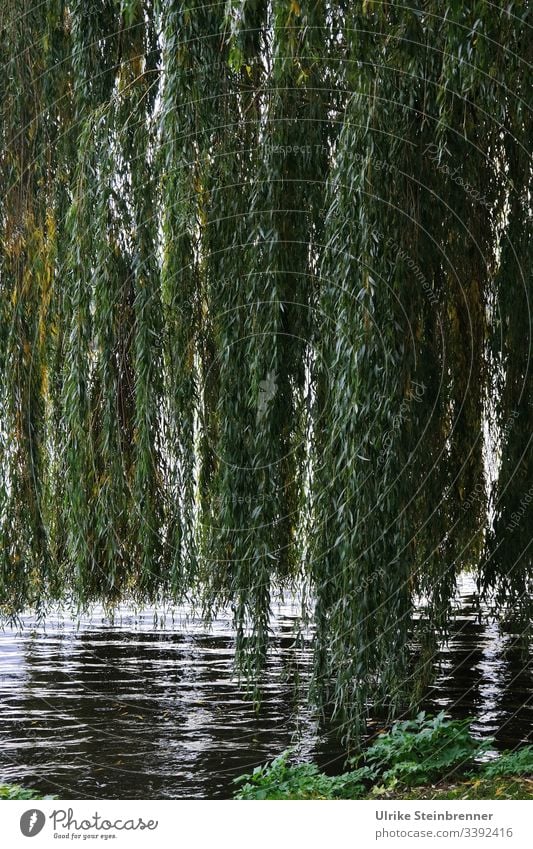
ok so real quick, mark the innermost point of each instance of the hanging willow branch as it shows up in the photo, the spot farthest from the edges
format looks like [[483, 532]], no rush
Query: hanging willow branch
[[265, 290]]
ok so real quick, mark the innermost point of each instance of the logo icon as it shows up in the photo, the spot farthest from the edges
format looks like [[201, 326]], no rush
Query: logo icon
[[32, 822]]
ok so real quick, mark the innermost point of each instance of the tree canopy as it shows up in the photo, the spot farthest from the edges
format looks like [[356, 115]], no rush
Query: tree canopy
[[265, 317]]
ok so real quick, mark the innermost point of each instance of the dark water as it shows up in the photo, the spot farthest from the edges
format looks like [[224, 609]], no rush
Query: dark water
[[132, 710]]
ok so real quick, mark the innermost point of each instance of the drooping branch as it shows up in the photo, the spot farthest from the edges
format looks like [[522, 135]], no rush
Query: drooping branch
[[264, 288]]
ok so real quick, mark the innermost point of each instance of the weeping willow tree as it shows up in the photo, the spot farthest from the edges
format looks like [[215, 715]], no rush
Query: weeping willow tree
[[265, 318]]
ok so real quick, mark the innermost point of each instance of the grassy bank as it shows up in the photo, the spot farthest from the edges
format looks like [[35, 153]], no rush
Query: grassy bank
[[475, 788], [478, 787]]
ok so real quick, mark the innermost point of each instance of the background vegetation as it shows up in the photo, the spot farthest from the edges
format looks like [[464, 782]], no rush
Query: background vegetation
[[264, 314]]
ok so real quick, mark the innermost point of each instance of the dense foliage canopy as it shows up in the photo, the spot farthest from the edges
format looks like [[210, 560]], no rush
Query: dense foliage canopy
[[265, 316]]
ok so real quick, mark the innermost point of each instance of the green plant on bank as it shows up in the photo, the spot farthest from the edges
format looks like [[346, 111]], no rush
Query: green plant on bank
[[282, 780], [417, 751], [402, 763], [518, 762], [15, 791]]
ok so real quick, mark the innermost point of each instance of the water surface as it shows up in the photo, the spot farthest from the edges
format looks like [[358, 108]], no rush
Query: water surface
[[131, 709]]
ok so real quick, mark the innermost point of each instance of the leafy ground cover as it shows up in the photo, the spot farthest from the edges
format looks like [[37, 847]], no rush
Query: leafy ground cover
[[424, 758], [15, 791]]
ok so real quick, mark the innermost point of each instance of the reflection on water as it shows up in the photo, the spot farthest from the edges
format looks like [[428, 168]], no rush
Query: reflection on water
[[131, 710]]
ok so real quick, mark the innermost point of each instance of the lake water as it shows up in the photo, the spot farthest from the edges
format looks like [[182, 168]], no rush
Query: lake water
[[132, 710]]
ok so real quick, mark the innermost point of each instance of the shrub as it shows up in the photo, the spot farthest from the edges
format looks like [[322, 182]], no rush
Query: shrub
[[282, 780], [519, 762], [413, 753], [419, 751]]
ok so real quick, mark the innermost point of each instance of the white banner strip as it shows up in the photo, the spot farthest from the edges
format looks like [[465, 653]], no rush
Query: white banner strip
[[267, 825]]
